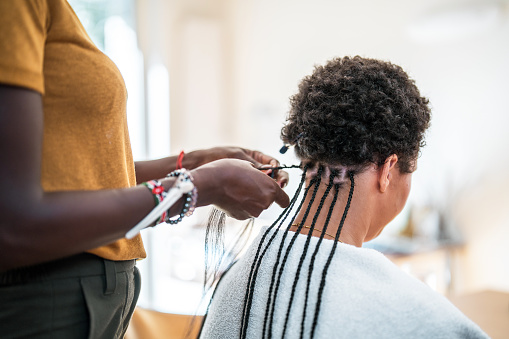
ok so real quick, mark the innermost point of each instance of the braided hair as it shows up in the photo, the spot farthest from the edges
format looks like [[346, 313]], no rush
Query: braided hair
[[248, 299], [348, 114]]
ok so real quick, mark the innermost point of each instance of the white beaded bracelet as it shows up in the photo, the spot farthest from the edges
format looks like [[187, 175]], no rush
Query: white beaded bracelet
[[182, 186]]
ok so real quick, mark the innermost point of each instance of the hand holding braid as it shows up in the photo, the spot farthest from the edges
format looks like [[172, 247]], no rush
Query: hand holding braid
[[198, 158], [237, 188]]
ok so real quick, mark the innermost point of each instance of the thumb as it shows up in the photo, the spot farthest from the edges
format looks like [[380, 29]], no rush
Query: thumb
[[282, 199]]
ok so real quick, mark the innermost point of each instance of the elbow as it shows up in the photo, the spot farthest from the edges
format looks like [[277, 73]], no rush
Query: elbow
[[15, 239]]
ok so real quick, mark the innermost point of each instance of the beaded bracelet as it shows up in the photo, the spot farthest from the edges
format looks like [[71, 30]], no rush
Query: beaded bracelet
[[190, 198], [157, 190], [181, 187]]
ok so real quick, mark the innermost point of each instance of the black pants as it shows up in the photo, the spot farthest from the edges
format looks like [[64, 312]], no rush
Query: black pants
[[82, 296]]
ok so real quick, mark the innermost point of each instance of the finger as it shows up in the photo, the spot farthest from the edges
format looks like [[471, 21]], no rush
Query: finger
[[267, 171], [237, 214], [275, 163], [264, 158], [241, 216], [245, 155], [251, 156], [282, 199], [282, 178], [268, 162]]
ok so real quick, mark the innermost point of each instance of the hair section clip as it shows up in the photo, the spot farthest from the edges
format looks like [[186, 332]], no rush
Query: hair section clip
[[285, 147]]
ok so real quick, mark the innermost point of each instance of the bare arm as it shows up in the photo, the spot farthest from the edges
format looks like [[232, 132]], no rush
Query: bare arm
[[37, 226], [146, 170]]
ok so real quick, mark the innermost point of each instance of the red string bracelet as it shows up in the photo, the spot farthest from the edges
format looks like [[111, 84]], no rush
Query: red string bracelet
[[179, 160], [157, 190]]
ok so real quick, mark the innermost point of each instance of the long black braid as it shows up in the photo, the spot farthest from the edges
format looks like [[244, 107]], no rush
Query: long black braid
[[305, 250], [248, 299], [316, 181], [306, 191], [273, 290], [334, 173], [329, 259], [257, 260], [279, 167]]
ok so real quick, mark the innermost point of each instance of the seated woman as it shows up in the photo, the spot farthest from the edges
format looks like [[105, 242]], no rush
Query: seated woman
[[357, 125]]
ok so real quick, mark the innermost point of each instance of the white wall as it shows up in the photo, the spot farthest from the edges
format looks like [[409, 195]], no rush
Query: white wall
[[234, 64], [463, 68]]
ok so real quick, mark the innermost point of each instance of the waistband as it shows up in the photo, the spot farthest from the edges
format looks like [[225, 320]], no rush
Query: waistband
[[80, 265]]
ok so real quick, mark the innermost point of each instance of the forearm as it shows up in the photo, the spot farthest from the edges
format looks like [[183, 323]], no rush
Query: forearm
[[156, 169], [37, 226], [59, 224]]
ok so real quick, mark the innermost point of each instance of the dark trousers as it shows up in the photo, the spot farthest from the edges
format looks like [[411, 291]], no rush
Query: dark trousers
[[82, 296]]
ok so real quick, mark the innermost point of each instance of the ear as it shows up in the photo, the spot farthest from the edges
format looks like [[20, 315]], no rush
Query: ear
[[385, 172]]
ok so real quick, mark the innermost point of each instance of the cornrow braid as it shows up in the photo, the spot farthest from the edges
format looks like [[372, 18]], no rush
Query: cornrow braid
[[257, 260], [329, 259], [305, 251], [333, 174], [316, 180]]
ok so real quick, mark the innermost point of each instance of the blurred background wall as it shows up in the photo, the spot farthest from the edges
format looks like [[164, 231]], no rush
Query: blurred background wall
[[234, 64], [220, 72]]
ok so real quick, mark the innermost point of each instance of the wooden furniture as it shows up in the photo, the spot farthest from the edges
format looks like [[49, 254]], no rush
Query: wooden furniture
[[488, 309], [148, 324]]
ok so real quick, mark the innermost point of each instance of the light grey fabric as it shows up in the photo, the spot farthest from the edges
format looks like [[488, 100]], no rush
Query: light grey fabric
[[365, 296]]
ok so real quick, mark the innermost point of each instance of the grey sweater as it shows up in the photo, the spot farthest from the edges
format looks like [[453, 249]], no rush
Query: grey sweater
[[365, 296]]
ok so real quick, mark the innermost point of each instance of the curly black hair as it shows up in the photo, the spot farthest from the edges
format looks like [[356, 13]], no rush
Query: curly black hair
[[356, 111]]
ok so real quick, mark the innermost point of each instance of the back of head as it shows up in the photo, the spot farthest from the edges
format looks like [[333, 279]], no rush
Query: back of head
[[356, 111], [349, 114]]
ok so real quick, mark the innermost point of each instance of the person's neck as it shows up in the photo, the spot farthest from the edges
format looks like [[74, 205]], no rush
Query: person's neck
[[358, 219]]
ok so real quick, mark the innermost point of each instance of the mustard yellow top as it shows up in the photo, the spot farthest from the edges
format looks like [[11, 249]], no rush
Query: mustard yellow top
[[86, 146]]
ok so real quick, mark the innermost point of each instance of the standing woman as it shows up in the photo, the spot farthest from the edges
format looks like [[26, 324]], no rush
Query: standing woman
[[68, 191]]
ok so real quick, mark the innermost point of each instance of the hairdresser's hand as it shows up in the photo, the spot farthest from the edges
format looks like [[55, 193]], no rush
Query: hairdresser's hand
[[237, 187], [258, 159]]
